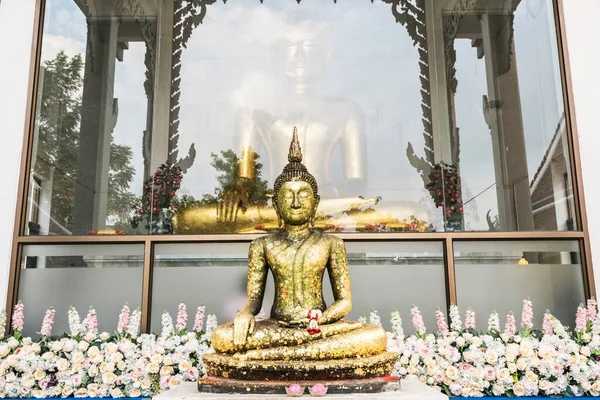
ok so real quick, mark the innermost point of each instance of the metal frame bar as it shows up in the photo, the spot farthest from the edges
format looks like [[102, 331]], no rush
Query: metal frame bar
[[446, 238]]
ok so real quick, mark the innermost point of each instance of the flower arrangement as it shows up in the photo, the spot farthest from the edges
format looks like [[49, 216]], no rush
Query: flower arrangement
[[457, 360], [156, 207], [445, 190]]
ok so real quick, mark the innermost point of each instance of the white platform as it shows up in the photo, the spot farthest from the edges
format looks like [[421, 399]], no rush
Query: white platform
[[409, 389]]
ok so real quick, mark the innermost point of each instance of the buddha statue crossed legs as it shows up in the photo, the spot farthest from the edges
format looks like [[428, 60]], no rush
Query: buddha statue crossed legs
[[297, 258]]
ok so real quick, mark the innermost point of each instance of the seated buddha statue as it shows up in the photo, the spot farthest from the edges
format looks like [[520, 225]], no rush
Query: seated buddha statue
[[297, 257]]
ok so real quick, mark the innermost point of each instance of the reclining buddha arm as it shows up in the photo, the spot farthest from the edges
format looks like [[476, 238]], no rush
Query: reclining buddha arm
[[257, 276], [339, 275]]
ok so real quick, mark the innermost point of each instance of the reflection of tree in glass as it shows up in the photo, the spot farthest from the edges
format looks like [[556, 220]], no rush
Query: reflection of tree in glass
[[228, 165], [59, 120]]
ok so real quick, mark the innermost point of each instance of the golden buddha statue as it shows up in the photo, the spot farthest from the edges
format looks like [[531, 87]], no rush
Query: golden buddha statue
[[282, 347]]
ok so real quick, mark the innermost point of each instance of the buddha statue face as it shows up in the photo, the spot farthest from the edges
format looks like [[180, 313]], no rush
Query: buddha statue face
[[296, 202]]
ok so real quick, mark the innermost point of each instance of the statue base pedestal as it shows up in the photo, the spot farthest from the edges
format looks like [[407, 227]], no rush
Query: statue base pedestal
[[412, 389], [223, 385], [230, 367]]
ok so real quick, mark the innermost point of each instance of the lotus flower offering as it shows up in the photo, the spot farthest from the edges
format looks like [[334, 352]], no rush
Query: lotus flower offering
[[294, 390], [318, 390], [313, 317]]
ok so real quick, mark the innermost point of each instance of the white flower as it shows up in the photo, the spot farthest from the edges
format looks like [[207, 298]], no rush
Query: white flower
[[74, 321], [104, 336], [518, 389], [12, 342]]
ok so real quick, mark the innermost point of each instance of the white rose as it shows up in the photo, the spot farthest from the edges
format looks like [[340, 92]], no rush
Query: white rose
[[477, 341], [111, 348], [107, 367], [185, 365], [104, 336], [168, 360], [526, 349], [121, 365], [174, 381], [92, 390], [81, 392], [544, 385], [89, 336], [521, 364], [491, 357], [92, 371], [116, 393], [28, 382], [47, 355], [108, 378], [57, 391], [153, 368], [512, 367], [146, 383], [518, 389], [585, 350], [460, 342], [67, 391], [4, 350], [83, 345], [56, 346], [39, 374], [452, 372], [116, 357], [77, 357], [498, 390], [531, 376], [93, 351], [35, 348], [68, 346], [156, 358], [166, 370], [135, 393], [12, 342], [403, 360], [62, 364]]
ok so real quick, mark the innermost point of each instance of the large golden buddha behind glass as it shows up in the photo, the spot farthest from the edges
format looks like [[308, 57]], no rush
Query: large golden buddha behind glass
[[297, 257]]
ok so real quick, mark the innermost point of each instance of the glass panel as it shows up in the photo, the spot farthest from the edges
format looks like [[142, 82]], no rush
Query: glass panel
[[176, 117], [215, 275], [498, 276], [102, 276]]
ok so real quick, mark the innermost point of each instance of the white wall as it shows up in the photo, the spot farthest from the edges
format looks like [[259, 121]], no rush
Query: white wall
[[16, 33], [582, 19]]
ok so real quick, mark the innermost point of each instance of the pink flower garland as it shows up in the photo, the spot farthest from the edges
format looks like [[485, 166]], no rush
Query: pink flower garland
[[470, 319], [48, 322], [417, 320], [580, 318], [181, 323], [527, 314], [18, 317], [592, 309], [199, 320], [547, 325], [510, 327], [123, 319], [442, 325], [91, 322]]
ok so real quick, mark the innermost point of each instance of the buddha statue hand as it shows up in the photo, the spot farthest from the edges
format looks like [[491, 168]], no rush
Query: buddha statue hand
[[232, 198], [243, 324]]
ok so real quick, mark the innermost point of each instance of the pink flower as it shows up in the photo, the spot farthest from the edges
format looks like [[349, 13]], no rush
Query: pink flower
[[199, 320], [123, 319], [441, 322], [547, 327], [417, 320], [91, 322], [527, 314], [470, 319], [181, 317], [18, 317], [592, 309], [510, 326], [48, 322], [580, 318]]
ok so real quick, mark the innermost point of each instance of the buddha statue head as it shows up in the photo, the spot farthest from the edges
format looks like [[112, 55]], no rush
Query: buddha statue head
[[295, 192]]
